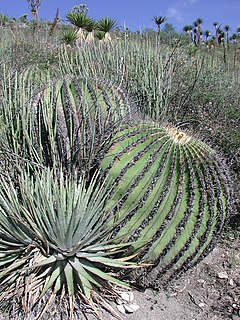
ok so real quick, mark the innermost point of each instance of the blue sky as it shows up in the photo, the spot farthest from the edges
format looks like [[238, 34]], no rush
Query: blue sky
[[137, 14]]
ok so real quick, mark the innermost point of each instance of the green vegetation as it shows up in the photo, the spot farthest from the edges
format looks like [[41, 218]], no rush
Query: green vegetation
[[104, 178], [171, 197]]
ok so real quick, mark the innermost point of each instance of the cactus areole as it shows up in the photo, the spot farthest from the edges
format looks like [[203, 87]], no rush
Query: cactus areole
[[170, 198]]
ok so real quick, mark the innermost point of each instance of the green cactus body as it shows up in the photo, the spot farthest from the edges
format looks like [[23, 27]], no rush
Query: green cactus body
[[73, 118], [170, 197]]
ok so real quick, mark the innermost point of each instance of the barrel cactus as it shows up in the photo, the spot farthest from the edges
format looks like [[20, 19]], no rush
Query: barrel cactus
[[66, 122], [171, 198], [158, 203]]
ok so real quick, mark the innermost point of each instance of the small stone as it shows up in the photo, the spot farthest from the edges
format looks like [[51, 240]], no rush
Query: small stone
[[127, 296], [223, 275], [201, 281], [130, 308], [202, 304], [231, 282], [121, 308], [119, 301]]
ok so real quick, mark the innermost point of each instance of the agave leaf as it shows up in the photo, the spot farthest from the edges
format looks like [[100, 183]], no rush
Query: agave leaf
[[54, 274], [44, 262], [90, 267], [13, 267], [84, 276], [10, 279], [58, 284], [9, 259], [68, 271], [117, 263]]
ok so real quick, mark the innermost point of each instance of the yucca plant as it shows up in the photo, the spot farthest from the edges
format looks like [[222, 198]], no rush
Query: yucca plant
[[171, 194], [70, 37], [55, 246], [106, 25], [159, 20], [100, 36], [90, 29], [81, 21]]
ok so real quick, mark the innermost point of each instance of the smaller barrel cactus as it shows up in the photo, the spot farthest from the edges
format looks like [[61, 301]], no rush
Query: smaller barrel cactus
[[66, 122]]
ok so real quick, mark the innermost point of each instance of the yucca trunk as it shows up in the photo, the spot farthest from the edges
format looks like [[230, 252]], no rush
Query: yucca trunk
[[80, 36], [90, 37], [170, 199], [107, 38]]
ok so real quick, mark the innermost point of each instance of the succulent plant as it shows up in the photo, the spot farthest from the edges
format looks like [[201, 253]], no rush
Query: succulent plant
[[55, 245], [66, 123], [159, 201], [170, 199], [69, 37]]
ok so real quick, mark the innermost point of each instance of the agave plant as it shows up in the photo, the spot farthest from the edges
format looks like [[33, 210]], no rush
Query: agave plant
[[171, 194], [55, 244], [106, 25]]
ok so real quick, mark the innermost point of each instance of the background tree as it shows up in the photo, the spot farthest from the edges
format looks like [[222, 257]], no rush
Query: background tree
[[238, 33], [233, 38], [199, 23], [80, 8], [34, 7], [79, 20], [207, 35], [227, 29], [190, 31], [186, 29], [4, 19], [159, 20], [106, 25], [217, 27], [169, 28], [23, 18]]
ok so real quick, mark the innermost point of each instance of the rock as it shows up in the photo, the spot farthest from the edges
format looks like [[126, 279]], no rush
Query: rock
[[130, 308], [222, 275]]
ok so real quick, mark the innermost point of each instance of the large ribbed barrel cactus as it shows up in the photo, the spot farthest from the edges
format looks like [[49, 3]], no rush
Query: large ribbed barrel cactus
[[170, 198]]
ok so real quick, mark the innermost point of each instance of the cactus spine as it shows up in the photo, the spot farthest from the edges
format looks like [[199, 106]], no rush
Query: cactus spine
[[171, 197]]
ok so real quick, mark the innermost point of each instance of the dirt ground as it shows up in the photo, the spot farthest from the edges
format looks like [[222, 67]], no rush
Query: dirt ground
[[209, 291]]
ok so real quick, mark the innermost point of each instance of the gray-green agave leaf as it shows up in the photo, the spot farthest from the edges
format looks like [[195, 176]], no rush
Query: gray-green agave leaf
[[55, 239]]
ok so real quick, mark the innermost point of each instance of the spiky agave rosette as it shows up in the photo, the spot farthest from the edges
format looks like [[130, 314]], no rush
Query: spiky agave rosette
[[55, 248], [171, 193]]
